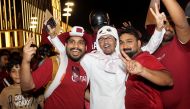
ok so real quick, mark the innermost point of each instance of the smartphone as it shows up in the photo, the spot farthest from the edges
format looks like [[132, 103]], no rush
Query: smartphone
[[51, 22]]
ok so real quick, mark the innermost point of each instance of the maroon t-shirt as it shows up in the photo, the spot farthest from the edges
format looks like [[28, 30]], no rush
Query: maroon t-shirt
[[141, 93], [176, 58], [70, 93]]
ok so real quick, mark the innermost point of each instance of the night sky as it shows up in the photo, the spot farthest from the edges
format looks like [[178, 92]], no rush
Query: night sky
[[119, 11]]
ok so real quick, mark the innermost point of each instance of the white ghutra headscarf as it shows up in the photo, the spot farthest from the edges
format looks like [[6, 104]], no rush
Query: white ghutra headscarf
[[99, 54]]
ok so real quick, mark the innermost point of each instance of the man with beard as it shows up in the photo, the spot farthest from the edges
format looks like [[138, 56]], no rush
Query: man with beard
[[170, 33], [4, 57], [68, 87], [175, 56], [146, 73]]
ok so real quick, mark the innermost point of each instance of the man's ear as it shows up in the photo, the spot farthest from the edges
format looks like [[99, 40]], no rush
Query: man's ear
[[86, 48], [139, 43]]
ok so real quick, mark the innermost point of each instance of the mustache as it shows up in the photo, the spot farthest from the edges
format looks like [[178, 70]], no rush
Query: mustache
[[127, 49], [169, 31], [76, 49], [129, 52]]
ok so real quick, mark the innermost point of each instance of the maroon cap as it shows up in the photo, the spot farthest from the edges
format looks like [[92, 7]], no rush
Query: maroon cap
[[77, 31]]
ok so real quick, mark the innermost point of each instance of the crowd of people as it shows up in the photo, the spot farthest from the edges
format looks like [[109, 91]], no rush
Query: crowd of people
[[112, 68]]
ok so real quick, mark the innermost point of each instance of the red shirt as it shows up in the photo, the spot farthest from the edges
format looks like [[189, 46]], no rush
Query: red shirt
[[176, 58], [141, 93], [70, 93]]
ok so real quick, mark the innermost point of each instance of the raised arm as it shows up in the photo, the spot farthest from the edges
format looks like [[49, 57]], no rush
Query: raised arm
[[178, 17], [154, 42], [157, 37], [25, 74], [55, 41]]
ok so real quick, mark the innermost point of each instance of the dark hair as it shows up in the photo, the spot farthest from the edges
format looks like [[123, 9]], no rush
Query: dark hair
[[129, 30], [15, 54], [46, 50], [4, 52], [13, 61]]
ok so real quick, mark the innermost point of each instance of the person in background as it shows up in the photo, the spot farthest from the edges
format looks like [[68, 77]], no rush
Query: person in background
[[4, 59], [12, 97], [175, 56], [168, 35], [97, 19], [44, 51], [170, 32]]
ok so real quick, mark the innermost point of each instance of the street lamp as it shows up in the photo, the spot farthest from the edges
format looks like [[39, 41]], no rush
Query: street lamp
[[67, 13], [33, 24]]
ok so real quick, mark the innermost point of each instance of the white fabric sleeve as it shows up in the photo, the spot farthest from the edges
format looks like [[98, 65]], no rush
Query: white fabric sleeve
[[154, 42], [62, 67]]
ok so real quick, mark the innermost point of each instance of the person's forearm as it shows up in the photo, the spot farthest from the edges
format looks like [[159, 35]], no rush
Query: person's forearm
[[175, 11], [26, 77], [162, 78], [154, 42], [178, 17]]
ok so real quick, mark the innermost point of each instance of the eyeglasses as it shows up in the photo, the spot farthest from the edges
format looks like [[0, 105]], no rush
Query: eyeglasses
[[108, 38]]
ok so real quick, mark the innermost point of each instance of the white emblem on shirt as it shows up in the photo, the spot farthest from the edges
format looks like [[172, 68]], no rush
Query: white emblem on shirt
[[94, 46]]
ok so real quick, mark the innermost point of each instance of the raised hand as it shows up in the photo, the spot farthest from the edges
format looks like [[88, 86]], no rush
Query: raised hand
[[126, 24], [132, 66], [52, 27], [52, 31], [29, 51], [159, 17]]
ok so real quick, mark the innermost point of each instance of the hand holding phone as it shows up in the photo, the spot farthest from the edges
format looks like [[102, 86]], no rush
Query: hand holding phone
[[51, 22]]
